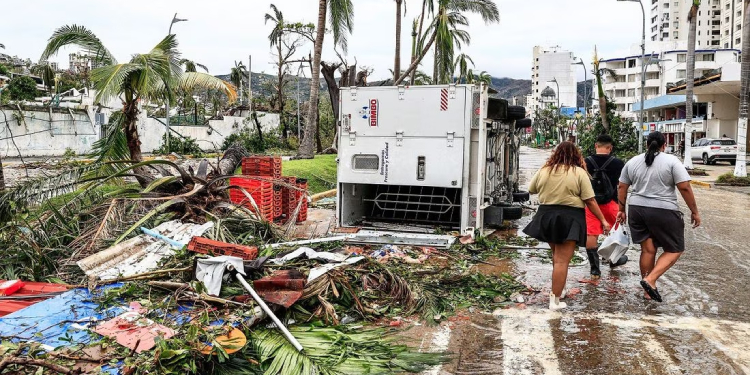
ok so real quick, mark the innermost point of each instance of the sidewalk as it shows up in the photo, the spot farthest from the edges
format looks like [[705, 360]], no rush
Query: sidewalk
[[714, 171]]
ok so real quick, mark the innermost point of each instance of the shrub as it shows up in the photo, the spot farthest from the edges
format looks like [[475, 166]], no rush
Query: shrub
[[22, 88], [729, 179], [249, 138], [179, 145]]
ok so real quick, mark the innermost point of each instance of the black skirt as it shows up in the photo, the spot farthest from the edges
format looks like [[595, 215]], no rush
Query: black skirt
[[557, 224]]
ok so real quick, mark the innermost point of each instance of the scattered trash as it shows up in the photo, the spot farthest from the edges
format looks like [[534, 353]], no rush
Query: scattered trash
[[388, 252], [134, 331], [282, 288], [210, 247], [231, 342], [9, 287], [29, 294], [141, 253], [466, 240], [210, 271]]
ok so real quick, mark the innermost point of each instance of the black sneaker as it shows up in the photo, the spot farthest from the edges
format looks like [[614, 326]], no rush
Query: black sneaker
[[623, 259]]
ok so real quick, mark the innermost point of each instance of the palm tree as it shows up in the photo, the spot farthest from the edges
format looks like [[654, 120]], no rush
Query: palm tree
[[397, 59], [190, 66], [237, 76], [690, 81], [340, 21], [462, 65], [275, 37], [146, 77], [599, 73], [740, 170], [444, 29], [483, 77]]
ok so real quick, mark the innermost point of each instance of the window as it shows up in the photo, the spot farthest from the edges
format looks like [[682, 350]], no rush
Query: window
[[681, 73], [726, 45], [631, 92], [631, 63], [714, 43], [681, 57], [738, 27], [737, 41], [728, 5], [739, 13]]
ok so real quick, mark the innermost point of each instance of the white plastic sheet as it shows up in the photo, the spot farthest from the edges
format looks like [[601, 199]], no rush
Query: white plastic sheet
[[616, 244]]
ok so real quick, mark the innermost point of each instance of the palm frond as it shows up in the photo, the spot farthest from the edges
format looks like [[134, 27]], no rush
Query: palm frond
[[113, 146], [194, 80], [78, 36], [109, 80], [341, 19], [487, 9]]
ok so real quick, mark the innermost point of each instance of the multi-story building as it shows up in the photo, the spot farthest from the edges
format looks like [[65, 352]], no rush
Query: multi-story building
[[552, 65], [669, 22], [79, 62], [731, 23], [664, 69]]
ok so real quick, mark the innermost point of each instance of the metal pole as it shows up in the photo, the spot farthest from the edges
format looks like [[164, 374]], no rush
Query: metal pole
[[267, 310], [585, 89], [643, 79], [299, 124], [250, 83]]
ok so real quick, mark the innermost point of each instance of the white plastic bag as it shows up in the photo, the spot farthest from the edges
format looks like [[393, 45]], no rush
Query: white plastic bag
[[616, 244]]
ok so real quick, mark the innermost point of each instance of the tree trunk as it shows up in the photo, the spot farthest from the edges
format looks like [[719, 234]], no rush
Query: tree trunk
[[397, 59], [2, 176], [435, 70], [306, 149], [133, 140], [690, 81], [603, 112], [740, 170], [416, 62], [319, 145], [282, 123], [259, 128], [418, 37]]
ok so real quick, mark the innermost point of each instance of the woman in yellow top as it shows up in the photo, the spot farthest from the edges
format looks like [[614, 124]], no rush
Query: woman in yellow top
[[564, 188]]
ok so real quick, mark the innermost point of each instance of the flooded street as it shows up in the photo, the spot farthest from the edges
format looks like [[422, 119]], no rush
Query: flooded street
[[702, 327]]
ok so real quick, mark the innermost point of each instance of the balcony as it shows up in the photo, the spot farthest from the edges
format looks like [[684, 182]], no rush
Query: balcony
[[655, 82]]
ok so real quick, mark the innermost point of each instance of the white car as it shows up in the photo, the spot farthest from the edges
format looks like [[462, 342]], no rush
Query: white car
[[711, 150]]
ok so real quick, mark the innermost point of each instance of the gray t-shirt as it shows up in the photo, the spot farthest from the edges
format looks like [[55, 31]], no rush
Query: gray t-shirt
[[654, 186]]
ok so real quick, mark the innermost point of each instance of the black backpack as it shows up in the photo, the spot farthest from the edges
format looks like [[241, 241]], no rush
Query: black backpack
[[603, 189]]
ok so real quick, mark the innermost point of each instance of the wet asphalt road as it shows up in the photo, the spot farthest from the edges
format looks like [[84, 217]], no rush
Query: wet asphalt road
[[702, 327]]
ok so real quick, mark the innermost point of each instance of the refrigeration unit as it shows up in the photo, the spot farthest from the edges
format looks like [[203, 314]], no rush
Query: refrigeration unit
[[418, 158]]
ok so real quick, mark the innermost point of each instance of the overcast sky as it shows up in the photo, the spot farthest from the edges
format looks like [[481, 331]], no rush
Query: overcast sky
[[221, 31]]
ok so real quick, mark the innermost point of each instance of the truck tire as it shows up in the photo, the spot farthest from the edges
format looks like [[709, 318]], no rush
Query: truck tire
[[521, 196], [523, 123], [512, 212], [516, 112], [493, 217]]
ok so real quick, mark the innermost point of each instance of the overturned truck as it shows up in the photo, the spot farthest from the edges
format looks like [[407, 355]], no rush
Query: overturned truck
[[416, 158]]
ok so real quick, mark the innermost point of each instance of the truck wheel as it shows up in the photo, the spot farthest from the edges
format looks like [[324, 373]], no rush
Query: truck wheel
[[512, 212], [521, 196], [523, 123], [493, 217], [516, 112]]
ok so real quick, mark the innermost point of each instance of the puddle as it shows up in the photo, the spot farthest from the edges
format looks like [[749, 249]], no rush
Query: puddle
[[495, 266]]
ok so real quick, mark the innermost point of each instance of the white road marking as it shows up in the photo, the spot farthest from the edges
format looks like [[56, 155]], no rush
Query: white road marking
[[528, 346], [440, 340]]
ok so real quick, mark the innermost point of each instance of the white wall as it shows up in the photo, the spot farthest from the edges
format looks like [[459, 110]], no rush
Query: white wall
[[40, 137], [553, 63]]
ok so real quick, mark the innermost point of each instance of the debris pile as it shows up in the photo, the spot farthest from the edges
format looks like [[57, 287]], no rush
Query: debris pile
[[191, 274]]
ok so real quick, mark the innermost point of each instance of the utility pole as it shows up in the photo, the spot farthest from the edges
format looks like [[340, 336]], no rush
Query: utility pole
[[643, 74], [169, 129], [250, 82], [585, 86]]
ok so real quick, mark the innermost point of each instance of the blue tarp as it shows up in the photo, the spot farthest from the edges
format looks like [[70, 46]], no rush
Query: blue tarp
[[52, 322]]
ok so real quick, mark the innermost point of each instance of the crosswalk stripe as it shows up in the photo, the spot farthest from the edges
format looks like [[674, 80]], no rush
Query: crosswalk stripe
[[528, 346]]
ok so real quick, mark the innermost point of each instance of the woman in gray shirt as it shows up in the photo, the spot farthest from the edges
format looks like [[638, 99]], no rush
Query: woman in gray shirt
[[654, 216]]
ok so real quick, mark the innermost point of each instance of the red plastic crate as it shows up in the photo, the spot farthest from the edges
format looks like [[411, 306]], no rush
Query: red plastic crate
[[260, 190], [301, 195], [205, 246], [266, 166]]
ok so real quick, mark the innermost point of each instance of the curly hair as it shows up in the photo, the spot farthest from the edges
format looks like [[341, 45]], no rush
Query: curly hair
[[566, 155]]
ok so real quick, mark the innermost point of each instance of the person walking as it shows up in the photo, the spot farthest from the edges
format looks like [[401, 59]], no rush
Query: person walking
[[564, 189], [654, 217], [605, 170]]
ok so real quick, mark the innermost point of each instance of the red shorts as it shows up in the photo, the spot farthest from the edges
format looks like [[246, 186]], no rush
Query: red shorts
[[593, 225]]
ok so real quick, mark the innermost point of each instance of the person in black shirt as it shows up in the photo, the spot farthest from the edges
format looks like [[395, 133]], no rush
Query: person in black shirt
[[605, 170]]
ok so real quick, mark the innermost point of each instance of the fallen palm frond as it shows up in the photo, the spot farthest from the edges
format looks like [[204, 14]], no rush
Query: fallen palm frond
[[337, 350]]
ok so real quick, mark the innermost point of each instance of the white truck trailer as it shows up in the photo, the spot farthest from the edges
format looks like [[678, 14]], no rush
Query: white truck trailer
[[418, 158]]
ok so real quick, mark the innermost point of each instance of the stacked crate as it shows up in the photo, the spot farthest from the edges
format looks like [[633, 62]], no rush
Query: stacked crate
[[262, 166], [288, 199], [210, 247], [260, 190], [300, 195]]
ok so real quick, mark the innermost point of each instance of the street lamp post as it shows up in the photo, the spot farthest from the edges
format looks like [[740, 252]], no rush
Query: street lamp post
[[557, 94], [169, 129], [585, 87], [643, 74]]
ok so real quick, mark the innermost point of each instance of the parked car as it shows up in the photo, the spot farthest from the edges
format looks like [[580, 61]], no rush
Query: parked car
[[711, 150]]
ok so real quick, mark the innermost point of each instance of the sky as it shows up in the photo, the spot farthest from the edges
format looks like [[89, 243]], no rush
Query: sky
[[220, 32]]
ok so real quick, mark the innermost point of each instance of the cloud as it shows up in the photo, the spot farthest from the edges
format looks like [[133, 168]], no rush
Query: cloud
[[222, 31]]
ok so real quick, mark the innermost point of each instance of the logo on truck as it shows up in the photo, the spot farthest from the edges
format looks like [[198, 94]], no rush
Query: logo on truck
[[373, 113]]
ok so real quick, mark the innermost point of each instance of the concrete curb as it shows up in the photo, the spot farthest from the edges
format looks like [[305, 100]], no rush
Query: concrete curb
[[701, 184]]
